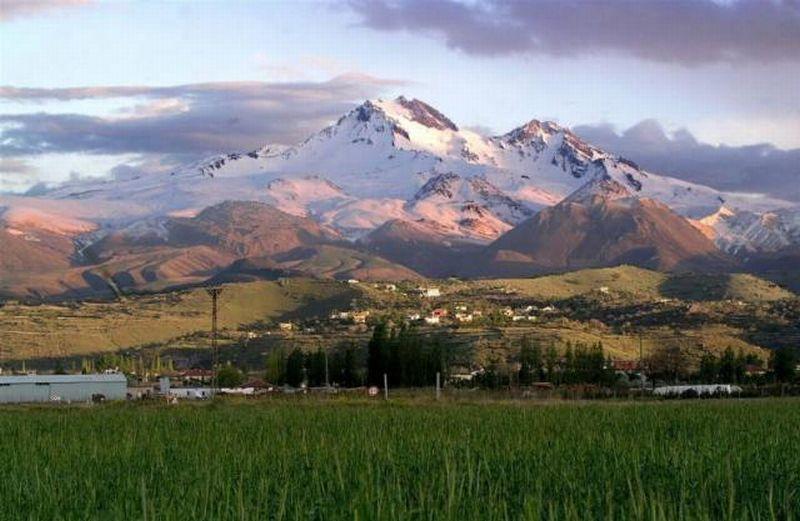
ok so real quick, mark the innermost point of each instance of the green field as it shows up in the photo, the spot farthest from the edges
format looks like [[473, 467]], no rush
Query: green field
[[312, 458]]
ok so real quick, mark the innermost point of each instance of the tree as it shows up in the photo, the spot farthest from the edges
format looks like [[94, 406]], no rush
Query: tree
[[784, 363], [727, 367], [668, 362], [377, 354], [351, 375], [229, 376], [551, 363], [530, 362], [709, 369], [276, 367], [316, 368], [295, 365]]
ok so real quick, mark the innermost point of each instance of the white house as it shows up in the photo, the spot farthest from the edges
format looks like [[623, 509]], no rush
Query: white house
[[432, 320]]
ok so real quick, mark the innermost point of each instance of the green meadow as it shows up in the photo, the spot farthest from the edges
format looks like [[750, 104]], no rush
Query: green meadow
[[352, 458]]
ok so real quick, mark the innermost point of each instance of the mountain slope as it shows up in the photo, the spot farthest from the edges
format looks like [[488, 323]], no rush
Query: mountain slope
[[393, 174], [423, 246], [602, 224]]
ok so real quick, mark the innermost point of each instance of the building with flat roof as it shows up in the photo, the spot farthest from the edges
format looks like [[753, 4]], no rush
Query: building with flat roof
[[62, 388]]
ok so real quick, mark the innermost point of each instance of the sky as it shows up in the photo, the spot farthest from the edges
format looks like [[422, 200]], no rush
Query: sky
[[705, 90]]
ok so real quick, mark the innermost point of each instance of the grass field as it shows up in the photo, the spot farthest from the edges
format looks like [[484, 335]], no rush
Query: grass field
[[97, 327], [302, 458], [646, 284]]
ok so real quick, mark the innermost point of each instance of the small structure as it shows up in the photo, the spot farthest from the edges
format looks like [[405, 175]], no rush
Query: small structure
[[190, 393], [285, 326], [697, 390], [439, 312], [464, 317], [430, 292], [433, 320], [360, 317], [196, 375], [63, 388]]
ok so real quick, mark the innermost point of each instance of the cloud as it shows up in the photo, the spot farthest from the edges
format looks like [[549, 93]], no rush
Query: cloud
[[15, 174], [185, 119], [755, 168], [689, 32], [18, 8], [10, 165]]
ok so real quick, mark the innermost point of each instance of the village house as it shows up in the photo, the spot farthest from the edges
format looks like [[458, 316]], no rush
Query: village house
[[285, 326], [430, 292], [432, 320], [340, 315], [360, 317], [463, 317], [195, 375]]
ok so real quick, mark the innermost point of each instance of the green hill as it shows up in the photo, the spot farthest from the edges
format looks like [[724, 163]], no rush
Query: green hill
[[93, 327], [642, 284]]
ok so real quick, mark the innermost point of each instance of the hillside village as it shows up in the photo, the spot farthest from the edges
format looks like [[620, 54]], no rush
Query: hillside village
[[628, 316]]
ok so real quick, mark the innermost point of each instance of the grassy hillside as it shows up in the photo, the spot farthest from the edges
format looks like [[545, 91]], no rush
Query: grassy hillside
[[646, 285], [74, 329], [609, 305]]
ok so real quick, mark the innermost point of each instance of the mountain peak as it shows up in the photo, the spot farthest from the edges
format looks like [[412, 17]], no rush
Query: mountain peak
[[533, 130], [603, 186], [402, 108]]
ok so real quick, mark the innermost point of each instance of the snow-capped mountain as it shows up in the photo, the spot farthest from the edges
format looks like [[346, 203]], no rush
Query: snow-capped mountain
[[742, 232], [389, 149], [467, 207], [395, 161]]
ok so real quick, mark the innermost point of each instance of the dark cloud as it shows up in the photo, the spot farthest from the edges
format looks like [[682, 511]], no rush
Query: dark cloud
[[755, 168], [683, 31], [18, 8], [186, 119]]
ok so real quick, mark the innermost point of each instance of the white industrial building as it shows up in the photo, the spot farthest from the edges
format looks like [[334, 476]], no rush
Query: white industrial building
[[62, 388]]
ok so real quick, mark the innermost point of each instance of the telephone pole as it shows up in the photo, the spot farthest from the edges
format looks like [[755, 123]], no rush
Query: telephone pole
[[214, 293]]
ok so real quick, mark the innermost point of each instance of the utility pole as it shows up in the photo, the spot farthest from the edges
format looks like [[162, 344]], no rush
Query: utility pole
[[641, 361], [214, 293], [327, 380]]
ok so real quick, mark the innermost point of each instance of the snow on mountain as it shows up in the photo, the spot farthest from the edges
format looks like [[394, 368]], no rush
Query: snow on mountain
[[304, 196], [374, 164], [26, 219], [468, 207], [741, 232]]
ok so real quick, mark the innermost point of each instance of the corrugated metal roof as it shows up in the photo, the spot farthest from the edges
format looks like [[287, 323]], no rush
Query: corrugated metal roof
[[63, 378]]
